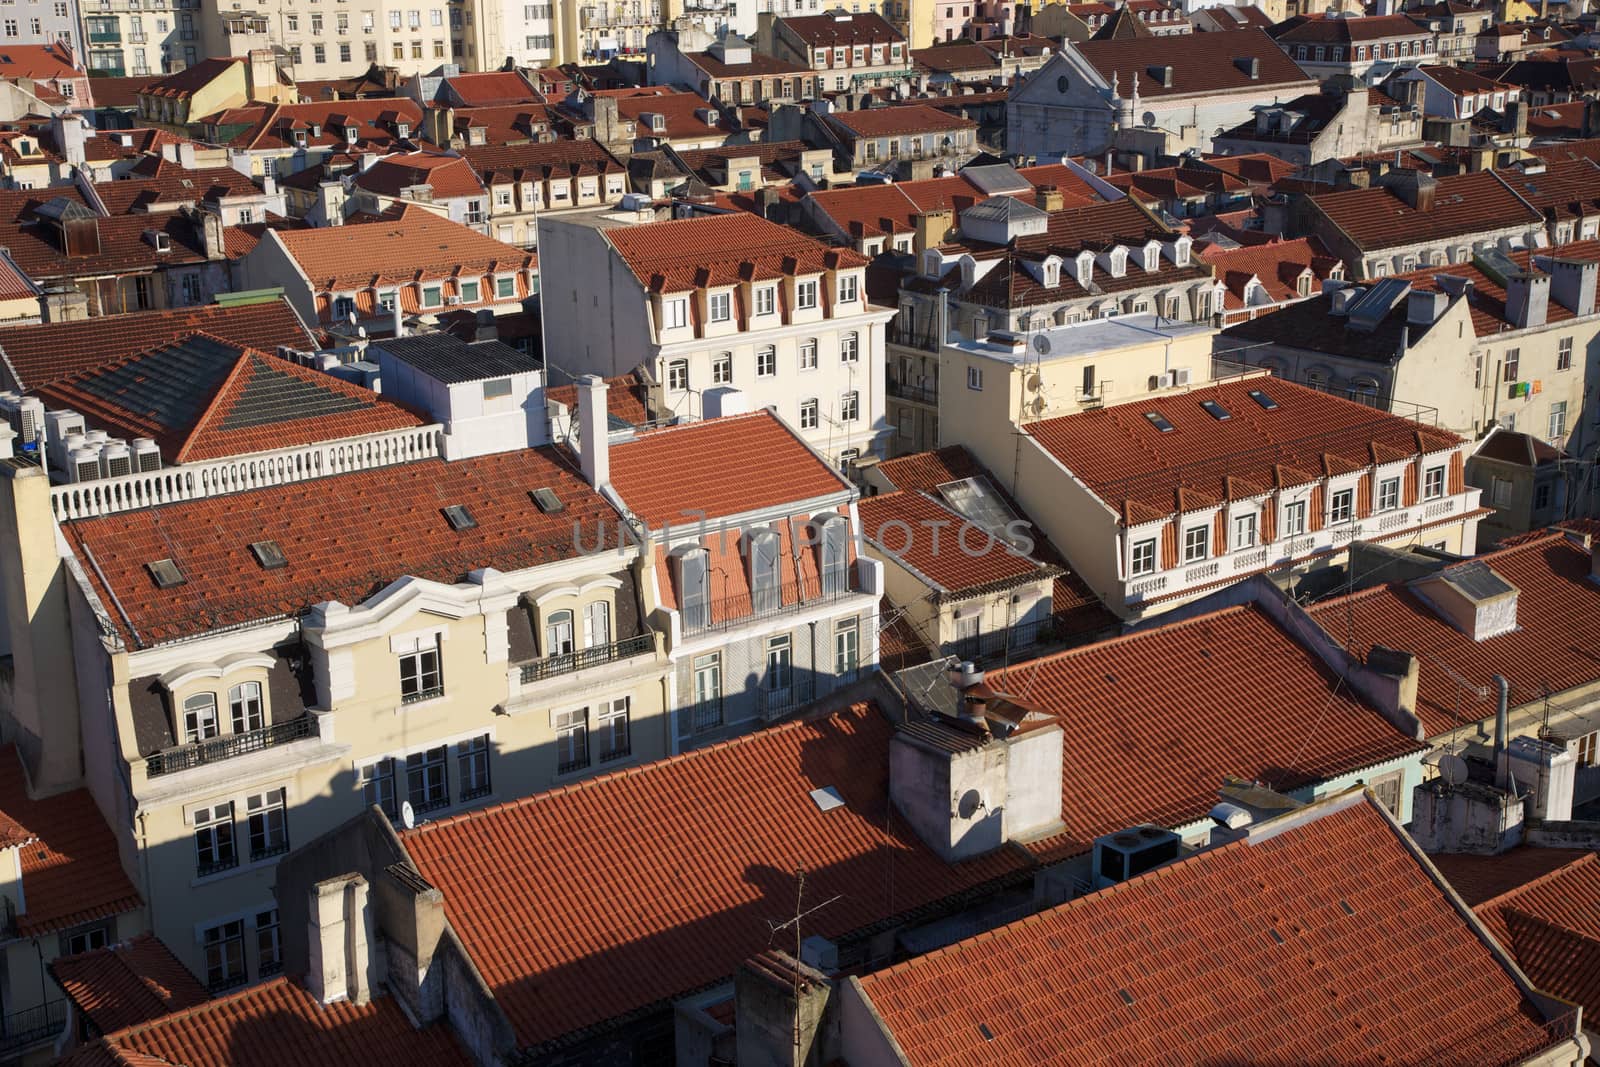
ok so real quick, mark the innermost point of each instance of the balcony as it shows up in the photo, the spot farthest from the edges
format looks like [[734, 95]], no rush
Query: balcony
[[919, 394], [1001, 643], [551, 666], [729, 612], [920, 339], [781, 701], [31, 1026], [217, 749], [111, 36]]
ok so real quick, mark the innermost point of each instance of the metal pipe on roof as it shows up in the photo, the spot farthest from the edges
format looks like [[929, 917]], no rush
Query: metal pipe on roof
[[1502, 726]]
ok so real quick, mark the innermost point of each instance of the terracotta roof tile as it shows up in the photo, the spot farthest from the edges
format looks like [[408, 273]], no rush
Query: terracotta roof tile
[[1142, 472], [204, 398], [898, 120], [717, 468], [1278, 265], [190, 80], [1558, 628], [490, 89], [626, 399], [279, 1023], [830, 31], [560, 960], [1478, 879], [345, 538], [1340, 29], [157, 181], [1199, 65], [677, 256], [967, 559], [450, 176], [42, 353], [71, 870], [135, 982], [540, 160], [1463, 204], [1194, 687], [1252, 952]]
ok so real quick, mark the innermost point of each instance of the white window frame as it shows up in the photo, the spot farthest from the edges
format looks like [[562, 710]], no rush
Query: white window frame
[[1341, 506], [805, 294], [719, 307], [1196, 548], [1294, 518], [1142, 557], [1244, 530], [1433, 482], [1388, 494], [809, 414]]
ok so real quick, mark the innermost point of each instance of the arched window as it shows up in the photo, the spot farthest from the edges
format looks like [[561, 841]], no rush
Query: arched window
[[244, 707], [199, 717], [558, 635], [761, 563], [833, 555], [678, 375], [694, 593]]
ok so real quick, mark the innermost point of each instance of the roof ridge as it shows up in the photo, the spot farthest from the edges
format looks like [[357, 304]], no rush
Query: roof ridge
[[207, 413], [1586, 858], [1549, 924], [860, 707]]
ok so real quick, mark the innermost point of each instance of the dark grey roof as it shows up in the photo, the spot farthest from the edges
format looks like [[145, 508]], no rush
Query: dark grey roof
[[448, 359]]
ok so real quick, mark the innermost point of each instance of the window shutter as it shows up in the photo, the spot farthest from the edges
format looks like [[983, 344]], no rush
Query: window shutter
[[1364, 496], [1316, 519], [1410, 490], [835, 563]]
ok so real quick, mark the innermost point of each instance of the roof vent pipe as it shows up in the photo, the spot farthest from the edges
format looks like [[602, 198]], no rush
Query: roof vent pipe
[[1502, 726]]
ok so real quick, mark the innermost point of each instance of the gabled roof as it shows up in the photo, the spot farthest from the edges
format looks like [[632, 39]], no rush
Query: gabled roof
[[718, 468], [41, 353], [684, 254], [205, 398], [627, 400], [183, 84], [450, 176], [267, 127], [1342, 29], [345, 538], [1199, 64], [416, 246], [277, 1023], [1463, 204], [838, 29], [967, 560], [39, 62], [538, 161], [1558, 627], [1123, 25], [71, 869], [1278, 265], [1552, 926], [489, 89], [154, 180], [898, 120], [129, 983], [1143, 474], [1266, 950], [560, 960], [759, 66]]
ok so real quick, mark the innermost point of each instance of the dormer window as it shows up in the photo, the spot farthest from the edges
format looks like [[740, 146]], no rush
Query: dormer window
[[350, 134], [762, 571], [1152, 257], [805, 294], [1052, 272], [1085, 268], [402, 130], [720, 307], [1119, 261], [477, 135], [833, 561], [692, 572]]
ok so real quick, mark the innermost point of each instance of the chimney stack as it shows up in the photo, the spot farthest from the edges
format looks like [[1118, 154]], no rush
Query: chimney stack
[[340, 934], [781, 1008], [1528, 298], [63, 304], [1050, 198], [1572, 283], [594, 440], [931, 228]]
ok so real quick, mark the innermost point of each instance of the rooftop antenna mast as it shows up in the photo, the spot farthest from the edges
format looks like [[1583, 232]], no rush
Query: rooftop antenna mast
[[800, 912]]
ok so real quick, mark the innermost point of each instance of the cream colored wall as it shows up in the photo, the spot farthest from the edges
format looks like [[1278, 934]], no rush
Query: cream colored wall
[[1536, 364], [906, 590], [19, 308], [995, 611]]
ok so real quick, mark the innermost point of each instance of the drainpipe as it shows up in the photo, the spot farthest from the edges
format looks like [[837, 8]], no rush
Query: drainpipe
[[1502, 726]]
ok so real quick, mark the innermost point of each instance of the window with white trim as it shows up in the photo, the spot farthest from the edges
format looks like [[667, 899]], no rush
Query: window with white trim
[[1244, 531], [1433, 483], [805, 295], [766, 362], [572, 740], [269, 947], [1196, 543], [428, 780], [808, 354], [1564, 354], [432, 296], [377, 786], [678, 375], [597, 624], [420, 675], [1558, 420], [224, 947], [975, 378], [848, 288], [1389, 494], [1143, 558], [766, 299], [808, 414], [472, 767], [674, 313], [850, 348], [850, 406], [722, 369], [613, 730], [833, 535], [213, 840], [1294, 518], [1340, 506], [505, 288], [846, 646], [199, 718], [244, 707], [720, 306], [780, 664], [267, 822]]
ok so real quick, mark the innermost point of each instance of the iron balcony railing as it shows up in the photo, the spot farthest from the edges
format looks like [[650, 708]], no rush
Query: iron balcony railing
[[567, 662], [780, 700], [704, 715], [728, 612], [922, 394], [216, 749], [422, 694], [30, 1026]]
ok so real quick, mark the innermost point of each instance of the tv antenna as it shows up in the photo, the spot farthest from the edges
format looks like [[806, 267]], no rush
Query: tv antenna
[[800, 912]]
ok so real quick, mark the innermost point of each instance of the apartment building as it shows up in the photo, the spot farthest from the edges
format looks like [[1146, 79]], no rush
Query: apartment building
[[1504, 341], [725, 314], [909, 133], [1366, 48], [1331, 124], [844, 50], [341, 42], [55, 69], [214, 85], [1259, 279], [44, 22], [527, 181], [1159, 501], [1453, 93], [1149, 96], [127, 39], [285, 139], [443, 184], [375, 272], [726, 69]]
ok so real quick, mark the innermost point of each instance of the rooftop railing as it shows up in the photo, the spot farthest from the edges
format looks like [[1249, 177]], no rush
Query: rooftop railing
[[217, 749], [567, 662]]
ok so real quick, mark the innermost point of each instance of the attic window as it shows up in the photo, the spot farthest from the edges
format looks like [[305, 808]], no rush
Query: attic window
[[1276, 937], [459, 517], [1215, 410], [827, 798], [983, 1029], [1348, 910], [1266, 402], [1127, 997], [1159, 421], [547, 501], [166, 574], [268, 554]]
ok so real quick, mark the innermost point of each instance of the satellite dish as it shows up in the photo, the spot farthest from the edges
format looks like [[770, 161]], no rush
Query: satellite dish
[[1041, 344], [408, 817], [1453, 769]]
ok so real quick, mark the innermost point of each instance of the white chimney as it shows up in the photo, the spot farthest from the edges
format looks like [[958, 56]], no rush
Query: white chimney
[[594, 443], [340, 936]]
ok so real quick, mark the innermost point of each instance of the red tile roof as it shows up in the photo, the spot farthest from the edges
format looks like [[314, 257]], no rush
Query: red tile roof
[[274, 1024], [1199, 65], [626, 399], [829, 31], [929, 470], [1143, 473], [191, 79], [1487, 297], [1558, 629], [898, 121], [685, 254], [124, 985], [203, 398], [1479, 879], [700, 889], [491, 89], [1341, 29], [71, 870], [154, 180], [39, 62], [966, 559], [1278, 265], [1259, 951], [1463, 204], [450, 176], [416, 246], [1552, 925], [42, 353], [540, 161], [511, 124], [717, 468], [266, 127], [1194, 687], [345, 538]]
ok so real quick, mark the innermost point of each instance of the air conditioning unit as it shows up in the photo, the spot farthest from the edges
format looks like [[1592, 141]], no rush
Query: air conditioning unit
[[61, 451], [452, 300], [61, 423], [1180, 376], [86, 464], [26, 416], [146, 455], [116, 460]]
